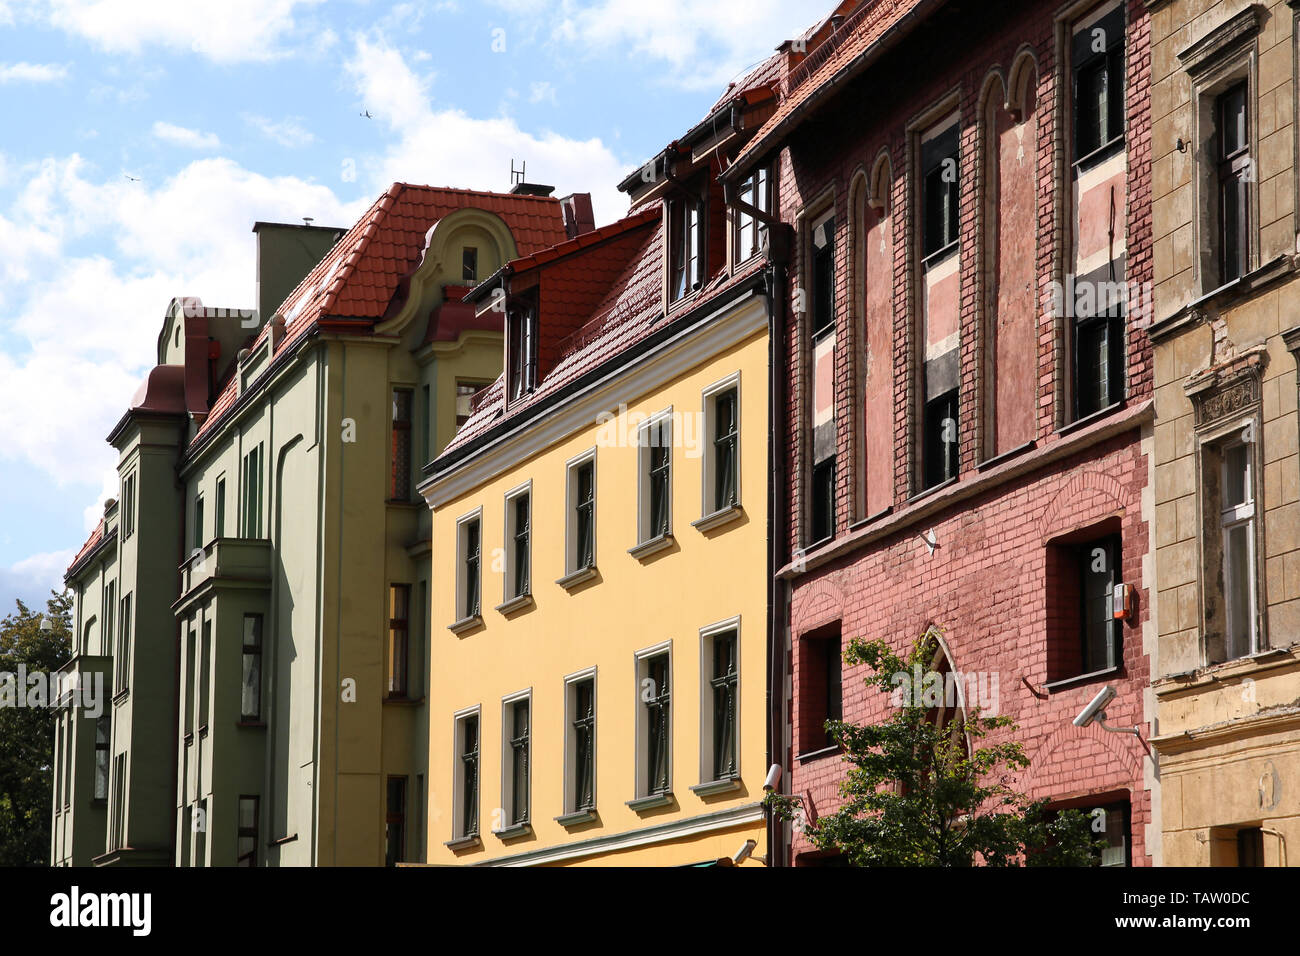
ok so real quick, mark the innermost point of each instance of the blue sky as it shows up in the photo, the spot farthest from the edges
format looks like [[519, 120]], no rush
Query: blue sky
[[142, 138]]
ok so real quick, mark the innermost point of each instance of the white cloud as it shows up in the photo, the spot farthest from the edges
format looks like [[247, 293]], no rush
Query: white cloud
[[32, 579], [288, 132], [32, 72], [450, 148], [541, 90], [183, 136], [229, 32], [706, 44]]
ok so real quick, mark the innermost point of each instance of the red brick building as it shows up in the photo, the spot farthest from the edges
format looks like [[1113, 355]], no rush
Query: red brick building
[[970, 401]]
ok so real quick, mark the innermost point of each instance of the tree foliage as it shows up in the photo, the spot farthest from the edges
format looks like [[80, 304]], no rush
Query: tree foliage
[[27, 733], [924, 791]]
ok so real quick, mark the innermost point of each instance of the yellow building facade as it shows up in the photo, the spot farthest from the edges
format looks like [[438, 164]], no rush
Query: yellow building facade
[[606, 704]]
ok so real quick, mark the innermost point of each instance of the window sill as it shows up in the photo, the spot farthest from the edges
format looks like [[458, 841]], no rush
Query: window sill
[[933, 489], [1006, 455], [464, 843], [515, 604], [1075, 681], [189, 739], [863, 522], [466, 624], [718, 518], [121, 696], [253, 724], [581, 576], [646, 548], [1103, 151], [99, 803], [817, 754], [713, 787], [1080, 423], [203, 731], [576, 818], [514, 832], [939, 255], [651, 802]]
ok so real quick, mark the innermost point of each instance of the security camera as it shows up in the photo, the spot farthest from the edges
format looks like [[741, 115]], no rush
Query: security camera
[[773, 775], [1094, 710], [743, 853]]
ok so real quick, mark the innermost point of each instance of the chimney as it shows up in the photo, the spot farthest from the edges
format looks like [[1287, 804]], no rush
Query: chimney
[[286, 252], [578, 217], [531, 189]]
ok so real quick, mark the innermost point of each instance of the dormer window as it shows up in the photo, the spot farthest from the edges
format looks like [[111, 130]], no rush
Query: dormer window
[[469, 264], [756, 191], [521, 341], [686, 224]]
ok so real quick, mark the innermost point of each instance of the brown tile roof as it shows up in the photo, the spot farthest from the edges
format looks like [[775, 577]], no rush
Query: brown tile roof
[[360, 276], [91, 544], [838, 56]]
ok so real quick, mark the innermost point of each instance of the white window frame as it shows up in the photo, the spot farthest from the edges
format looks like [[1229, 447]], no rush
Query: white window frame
[[571, 683], [464, 614], [710, 510], [664, 422], [641, 741], [708, 783], [508, 597], [458, 773], [1230, 519], [509, 828], [572, 573]]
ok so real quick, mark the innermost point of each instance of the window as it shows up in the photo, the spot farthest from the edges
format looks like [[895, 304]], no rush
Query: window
[[941, 194], [117, 815], [188, 703], [400, 485], [719, 715], [823, 501], [518, 543], [201, 835], [110, 613], [246, 839], [940, 456], [250, 699], [580, 743], [1098, 360], [1232, 629], [1098, 55], [466, 775], [128, 506], [581, 515], [469, 264], [465, 392], [654, 452], [1250, 846], [515, 717], [1235, 171], [122, 666], [252, 509], [469, 544], [198, 522], [822, 286], [686, 229], [58, 764], [426, 433], [69, 742], [722, 465], [103, 737], [654, 723], [219, 529], [755, 190], [1099, 567], [399, 599], [1083, 635], [521, 341], [820, 663], [395, 822], [205, 675]]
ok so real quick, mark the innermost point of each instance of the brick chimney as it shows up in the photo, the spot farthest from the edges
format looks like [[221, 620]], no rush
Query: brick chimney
[[578, 217]]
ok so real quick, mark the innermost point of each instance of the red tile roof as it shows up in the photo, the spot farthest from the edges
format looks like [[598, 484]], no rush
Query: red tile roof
[[91, 544], [359, 278], [839, 56], [629, 312]]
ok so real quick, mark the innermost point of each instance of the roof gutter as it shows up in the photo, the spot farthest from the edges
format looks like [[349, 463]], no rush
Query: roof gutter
[[850, 71]]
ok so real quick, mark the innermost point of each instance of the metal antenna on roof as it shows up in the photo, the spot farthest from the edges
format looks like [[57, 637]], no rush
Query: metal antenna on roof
[[307, 220], [517, 175]]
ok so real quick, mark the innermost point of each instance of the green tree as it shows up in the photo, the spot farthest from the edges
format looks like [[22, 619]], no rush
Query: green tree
[[926, 786], [27, 733]]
